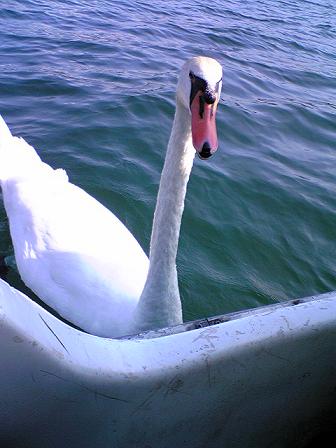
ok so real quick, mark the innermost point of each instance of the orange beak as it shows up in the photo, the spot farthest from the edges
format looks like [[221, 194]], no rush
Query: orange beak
[[203, 125]]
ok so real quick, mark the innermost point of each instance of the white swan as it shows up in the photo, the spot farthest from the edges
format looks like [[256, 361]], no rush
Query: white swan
[[76, 255]]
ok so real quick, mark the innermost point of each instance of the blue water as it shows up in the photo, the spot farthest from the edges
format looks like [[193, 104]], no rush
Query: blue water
[[91, 85]]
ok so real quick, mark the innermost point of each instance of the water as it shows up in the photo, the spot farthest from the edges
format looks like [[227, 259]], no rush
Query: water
[[91, 84]]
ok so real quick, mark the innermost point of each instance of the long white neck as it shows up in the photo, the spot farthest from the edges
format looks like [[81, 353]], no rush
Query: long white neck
[[160, 304]]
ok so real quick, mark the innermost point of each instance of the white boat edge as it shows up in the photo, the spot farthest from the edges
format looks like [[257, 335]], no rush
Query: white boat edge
[[257, 378]]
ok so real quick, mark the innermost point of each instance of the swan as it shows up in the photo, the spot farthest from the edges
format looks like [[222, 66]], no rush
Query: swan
[[76, 255]]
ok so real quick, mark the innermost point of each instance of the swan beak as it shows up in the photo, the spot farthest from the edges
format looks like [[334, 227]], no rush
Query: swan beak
[[203, 123]]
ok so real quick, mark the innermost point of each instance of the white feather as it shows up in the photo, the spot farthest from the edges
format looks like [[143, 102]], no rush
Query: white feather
[[70, 250]]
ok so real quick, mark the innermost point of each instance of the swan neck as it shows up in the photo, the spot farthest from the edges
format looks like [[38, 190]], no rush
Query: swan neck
[[160, 303], [172, 191]]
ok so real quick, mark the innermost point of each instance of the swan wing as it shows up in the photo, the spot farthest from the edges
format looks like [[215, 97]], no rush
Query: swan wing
[[70, 249]]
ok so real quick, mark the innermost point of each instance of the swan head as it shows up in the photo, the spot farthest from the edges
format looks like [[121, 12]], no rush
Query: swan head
[[198, 90]]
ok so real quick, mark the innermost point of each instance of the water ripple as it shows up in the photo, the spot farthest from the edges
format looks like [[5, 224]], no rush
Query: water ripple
[[92, 85]]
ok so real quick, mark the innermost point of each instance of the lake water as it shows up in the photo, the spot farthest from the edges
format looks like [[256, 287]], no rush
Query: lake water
[[91, 85]]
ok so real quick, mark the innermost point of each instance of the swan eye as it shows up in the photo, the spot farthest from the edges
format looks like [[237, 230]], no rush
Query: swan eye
[[197, 85]]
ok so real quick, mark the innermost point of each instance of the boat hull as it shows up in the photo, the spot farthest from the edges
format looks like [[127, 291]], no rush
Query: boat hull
[[260, 378]]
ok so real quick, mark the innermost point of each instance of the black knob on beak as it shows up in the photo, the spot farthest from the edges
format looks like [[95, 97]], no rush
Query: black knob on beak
[[209, 96]]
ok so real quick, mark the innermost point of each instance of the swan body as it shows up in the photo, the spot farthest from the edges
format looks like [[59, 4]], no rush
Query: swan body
[[69, 249], [76, 255]]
